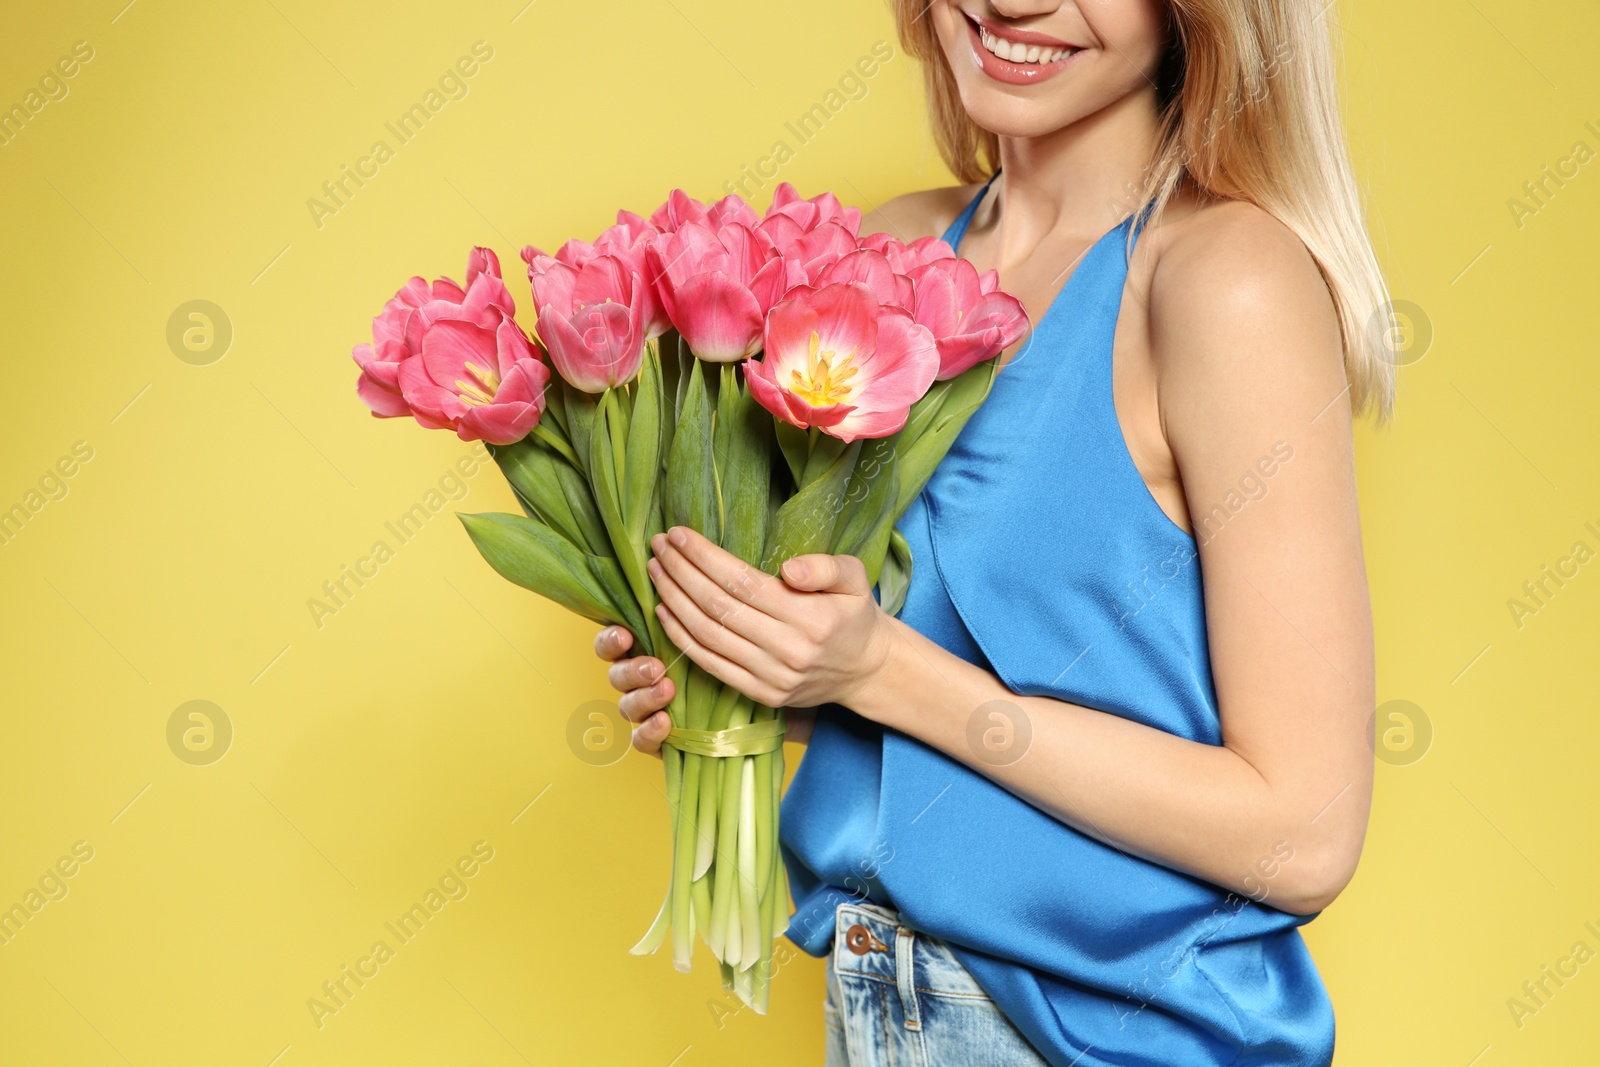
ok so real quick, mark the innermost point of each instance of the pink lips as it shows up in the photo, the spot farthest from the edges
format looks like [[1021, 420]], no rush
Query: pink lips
[[1003, 70]]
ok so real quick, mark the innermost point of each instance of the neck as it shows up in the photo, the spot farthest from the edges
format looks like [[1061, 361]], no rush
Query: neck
[[1078, 181]]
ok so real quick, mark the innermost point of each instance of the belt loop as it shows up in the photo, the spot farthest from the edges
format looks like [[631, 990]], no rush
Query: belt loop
[[905, 976]]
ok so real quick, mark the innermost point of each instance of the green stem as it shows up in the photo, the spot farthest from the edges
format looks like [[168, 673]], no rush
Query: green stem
[[724, 885], [765, 824], [699, 694], [672, 763], [749, 902], [700, 895], [775, 899], [554, 439], [683, 868], [721, 717]]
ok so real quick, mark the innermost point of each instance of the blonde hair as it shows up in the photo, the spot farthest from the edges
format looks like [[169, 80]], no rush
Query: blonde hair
[[1248, 98]]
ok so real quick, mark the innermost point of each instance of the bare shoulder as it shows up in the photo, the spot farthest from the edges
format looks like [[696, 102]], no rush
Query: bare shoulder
[[926, 213], [1232, 288], [1237, 257]]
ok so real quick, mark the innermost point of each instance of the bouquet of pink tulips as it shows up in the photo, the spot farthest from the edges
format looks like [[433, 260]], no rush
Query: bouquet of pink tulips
[[779, 383]]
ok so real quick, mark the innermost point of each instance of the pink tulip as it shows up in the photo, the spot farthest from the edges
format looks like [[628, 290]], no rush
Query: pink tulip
[[717, 284], [591, 319], [904, 258], [970, 318], [838, 359], [816, 233], [629, 231], [398, 329], [682, 209], [486, 384], [627, 242], [809, 214], [816, 250], [873, 270]]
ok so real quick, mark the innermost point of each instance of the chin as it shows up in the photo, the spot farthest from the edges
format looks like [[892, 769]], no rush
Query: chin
[[1006, 116]]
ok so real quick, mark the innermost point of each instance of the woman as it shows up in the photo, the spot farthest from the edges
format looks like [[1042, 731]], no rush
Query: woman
[[1072, 805]]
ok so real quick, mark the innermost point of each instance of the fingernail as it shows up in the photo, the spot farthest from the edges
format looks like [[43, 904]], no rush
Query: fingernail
[[794, 569], [677, 536], [651, 671]]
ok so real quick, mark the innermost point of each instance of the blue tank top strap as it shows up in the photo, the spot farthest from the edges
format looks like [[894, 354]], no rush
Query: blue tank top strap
[[1139, 218], [958, 229]]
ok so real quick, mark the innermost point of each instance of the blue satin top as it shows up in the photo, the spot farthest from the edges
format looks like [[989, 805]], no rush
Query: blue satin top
[[1039, 554]]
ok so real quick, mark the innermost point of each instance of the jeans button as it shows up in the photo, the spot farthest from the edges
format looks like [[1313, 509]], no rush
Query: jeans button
[[858, 939]]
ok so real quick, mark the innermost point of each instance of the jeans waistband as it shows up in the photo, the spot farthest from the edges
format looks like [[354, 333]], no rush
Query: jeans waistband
[[875, 942], [870, 941]]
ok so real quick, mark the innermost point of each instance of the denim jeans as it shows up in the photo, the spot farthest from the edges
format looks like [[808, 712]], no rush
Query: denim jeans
[[897, 996]]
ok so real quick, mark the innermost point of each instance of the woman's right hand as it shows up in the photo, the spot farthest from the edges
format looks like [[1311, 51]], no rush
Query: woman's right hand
[[646, 691]]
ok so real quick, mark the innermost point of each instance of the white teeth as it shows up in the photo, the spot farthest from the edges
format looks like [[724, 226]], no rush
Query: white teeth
[[1016, 52]]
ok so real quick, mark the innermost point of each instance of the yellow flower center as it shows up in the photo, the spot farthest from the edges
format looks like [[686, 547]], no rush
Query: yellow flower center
[[472, 393], [825, 381]]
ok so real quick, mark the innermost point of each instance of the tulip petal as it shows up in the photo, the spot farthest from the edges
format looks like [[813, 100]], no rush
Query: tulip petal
[[783, 404], [516, 409], [847, 318], [601, 279], [900, 366], [386, 403], [870, 269], [732, 210], [482, 261], [680, 209], [461, 356], [927, 250], [597, 348], [718, 317], [433, 405], [552, 286], [869, 424]]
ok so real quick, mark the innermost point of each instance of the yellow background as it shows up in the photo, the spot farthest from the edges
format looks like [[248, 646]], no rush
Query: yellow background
[[371, 752]]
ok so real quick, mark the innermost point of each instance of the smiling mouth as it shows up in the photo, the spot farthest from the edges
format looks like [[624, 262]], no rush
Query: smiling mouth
[[1020, 52], [1014, 56]]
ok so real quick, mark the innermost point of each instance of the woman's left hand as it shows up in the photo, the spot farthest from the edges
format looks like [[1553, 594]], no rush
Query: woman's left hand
[[813, 636]]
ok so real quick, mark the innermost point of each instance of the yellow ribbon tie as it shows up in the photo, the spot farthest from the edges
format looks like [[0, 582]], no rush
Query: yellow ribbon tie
[[751, 739]]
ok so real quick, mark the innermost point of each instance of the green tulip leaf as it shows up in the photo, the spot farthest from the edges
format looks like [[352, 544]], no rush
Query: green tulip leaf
[[792, 440], [532, 555], [580, 408], [690, 493], [641, 467], [869, 517], [744, 467], [552, 490], [806, 521], [895, 577]]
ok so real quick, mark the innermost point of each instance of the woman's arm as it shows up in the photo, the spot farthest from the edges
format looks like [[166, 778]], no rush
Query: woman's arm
[[1248, 358]]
